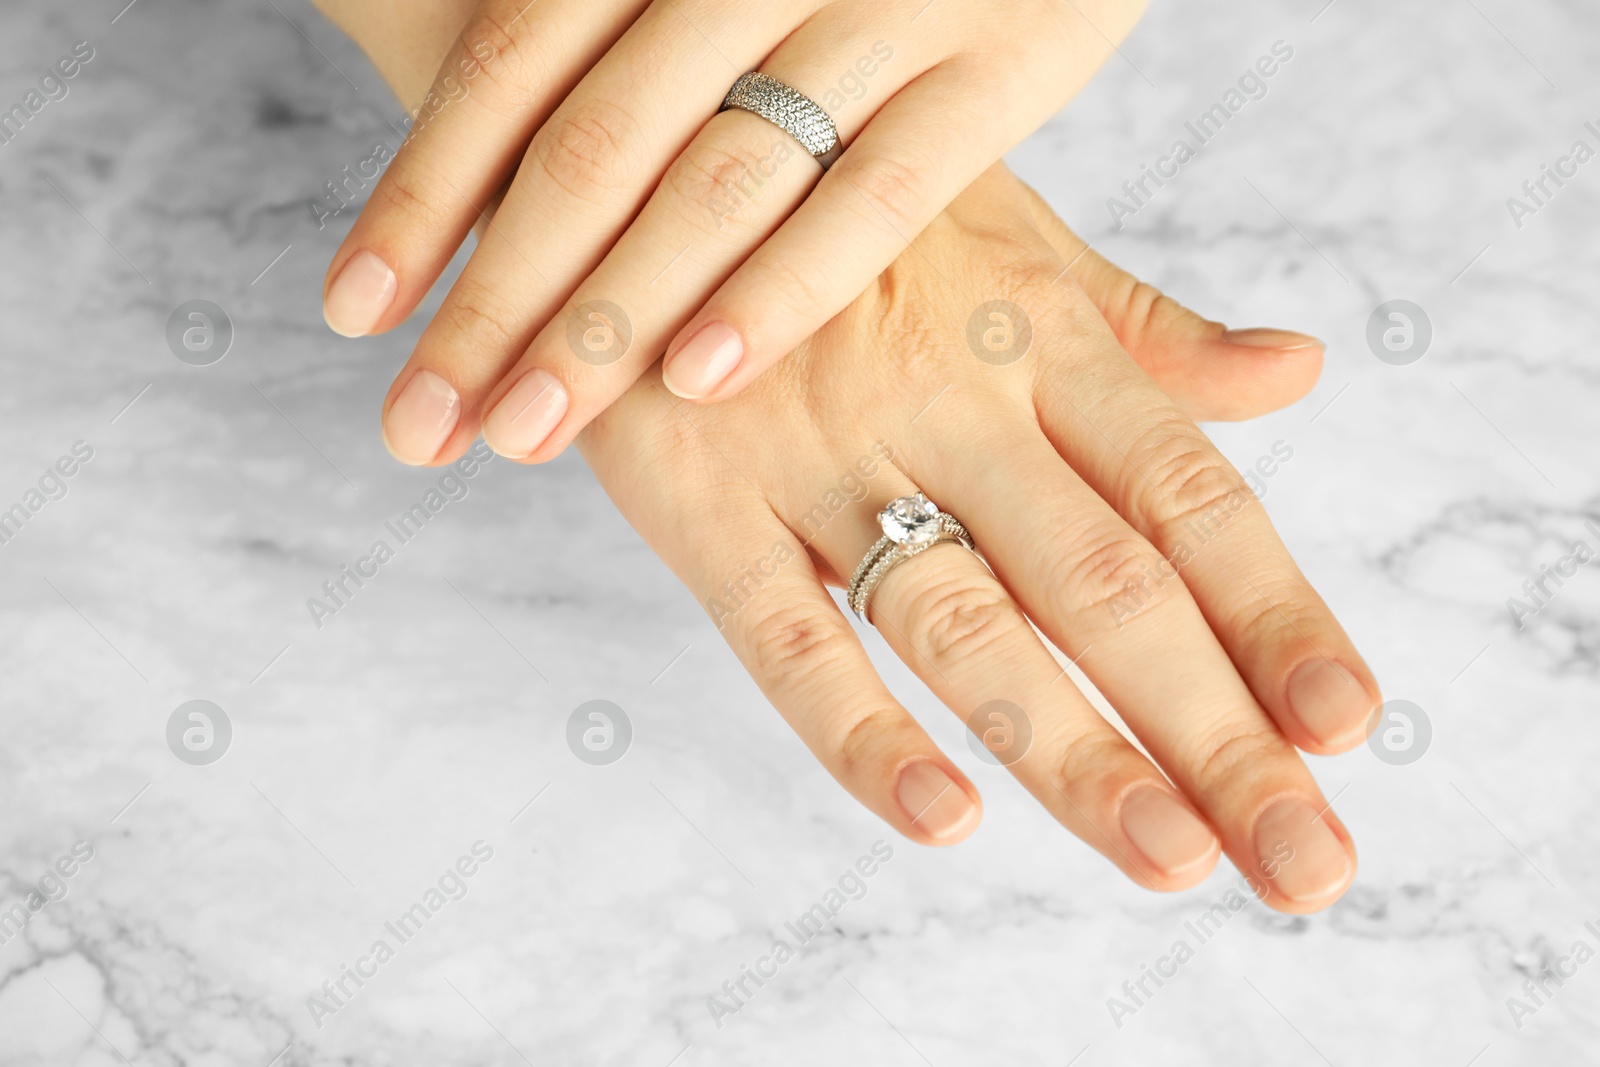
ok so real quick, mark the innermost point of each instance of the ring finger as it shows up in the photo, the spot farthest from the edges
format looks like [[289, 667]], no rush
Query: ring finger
[[759, 587], [952, 622]]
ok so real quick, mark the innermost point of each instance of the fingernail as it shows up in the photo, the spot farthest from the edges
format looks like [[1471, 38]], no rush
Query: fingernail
[[420, 419], [1329, 702], [1170, 835], [1299, 854], [526, 416], [360, 295], [1283, 340], [704, 362], [933, 800]]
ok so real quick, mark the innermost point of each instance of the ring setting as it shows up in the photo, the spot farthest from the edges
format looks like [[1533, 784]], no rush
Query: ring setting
[[790, 110], [911, 525]]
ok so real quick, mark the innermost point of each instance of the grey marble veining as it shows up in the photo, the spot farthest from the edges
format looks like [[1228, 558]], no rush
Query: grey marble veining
[[429, 715]]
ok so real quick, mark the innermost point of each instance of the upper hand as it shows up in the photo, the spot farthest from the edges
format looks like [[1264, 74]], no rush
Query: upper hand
[[638, 219]]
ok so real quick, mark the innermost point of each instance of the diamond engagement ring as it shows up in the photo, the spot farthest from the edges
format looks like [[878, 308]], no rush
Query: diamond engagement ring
[[794, 112], [911, 525]]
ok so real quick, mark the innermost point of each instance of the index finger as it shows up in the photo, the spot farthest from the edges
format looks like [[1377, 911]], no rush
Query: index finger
[[500, 80]]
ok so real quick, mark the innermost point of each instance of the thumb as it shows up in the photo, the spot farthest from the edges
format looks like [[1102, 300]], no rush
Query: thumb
[[1215, 374]]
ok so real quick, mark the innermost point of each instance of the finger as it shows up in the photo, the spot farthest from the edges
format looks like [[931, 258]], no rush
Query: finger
[[920, 150], [947, 617], [499, 82], [1069, 560], [1168, 480], [586, 173], [724, 195], [801, 651], [1213, 373], [721, 197], [758, 585]]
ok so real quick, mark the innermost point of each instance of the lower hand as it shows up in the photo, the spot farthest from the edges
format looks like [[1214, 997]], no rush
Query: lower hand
[[1109, 520]]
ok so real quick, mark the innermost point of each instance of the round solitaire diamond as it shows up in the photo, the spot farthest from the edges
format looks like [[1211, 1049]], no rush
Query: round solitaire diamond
[[910, 520]]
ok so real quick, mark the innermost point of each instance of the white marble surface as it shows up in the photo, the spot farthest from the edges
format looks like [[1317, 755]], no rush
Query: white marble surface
[[370, 755]]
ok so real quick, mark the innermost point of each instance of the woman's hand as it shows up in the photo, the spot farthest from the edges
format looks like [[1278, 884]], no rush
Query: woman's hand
[[1079, 478], [638, 216], [1109, 520]]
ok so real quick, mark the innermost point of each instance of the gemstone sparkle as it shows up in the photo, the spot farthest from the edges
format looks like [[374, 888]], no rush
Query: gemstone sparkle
[[910, 520]]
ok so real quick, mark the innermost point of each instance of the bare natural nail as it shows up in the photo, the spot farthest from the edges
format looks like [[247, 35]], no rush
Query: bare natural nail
[[1163, 828], [1300, 855], [360, 295], [1329, 702], [421, 418], [705, 362], [526, 416], [1282, 340], [933, 800]]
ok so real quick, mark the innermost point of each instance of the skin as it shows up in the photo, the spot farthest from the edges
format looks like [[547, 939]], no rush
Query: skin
[[1079, 469], [717, 236]]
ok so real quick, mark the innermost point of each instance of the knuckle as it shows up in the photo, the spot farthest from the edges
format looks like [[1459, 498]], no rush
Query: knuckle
[[1278, 620], [1231, 753], [1258, 621], [476, 318], [1029, 279], [892, 189], [1140, 309], [1065, 321], [496, 34], [508, 53], [710, 182], [959, 617], [1185, 479], [399, 193], [865, 737], [789, 643], [1141, 314], [1089, 768], [585, 151], [1101, 570]]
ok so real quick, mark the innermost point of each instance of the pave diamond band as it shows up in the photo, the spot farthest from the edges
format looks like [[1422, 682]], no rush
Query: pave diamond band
[[794, 112], [911, 525]]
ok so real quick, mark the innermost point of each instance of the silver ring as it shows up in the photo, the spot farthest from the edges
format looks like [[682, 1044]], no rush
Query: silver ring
[[911, 525], [794, 112]]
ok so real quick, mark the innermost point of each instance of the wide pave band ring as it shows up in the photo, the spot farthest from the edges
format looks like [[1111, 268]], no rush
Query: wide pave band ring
[[911, 525], [794, 112]]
